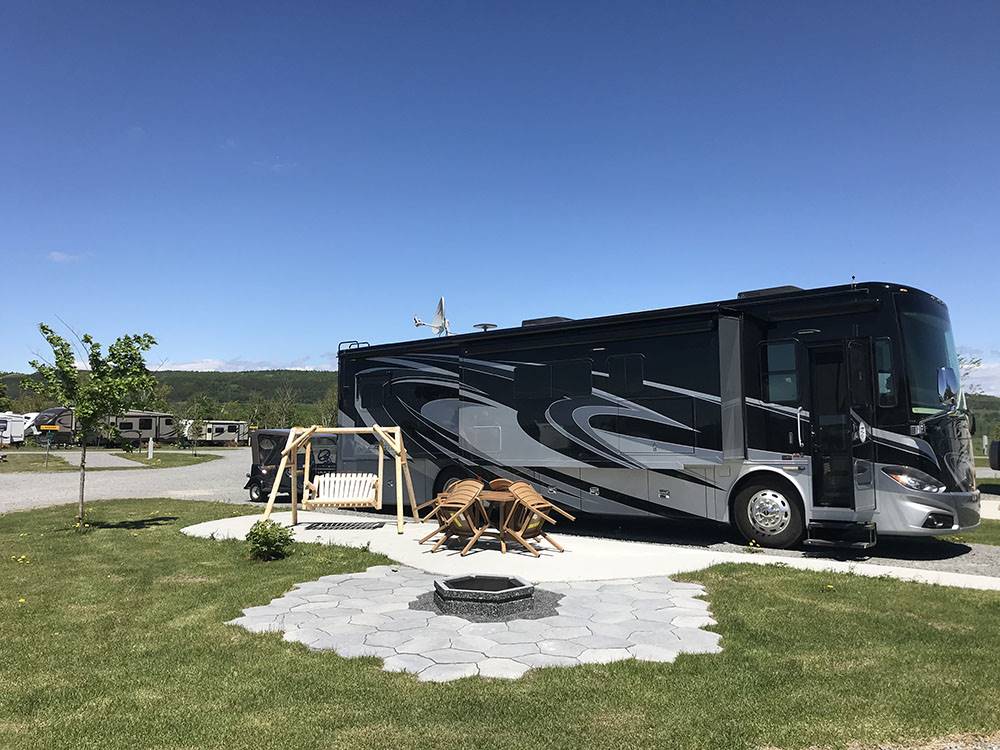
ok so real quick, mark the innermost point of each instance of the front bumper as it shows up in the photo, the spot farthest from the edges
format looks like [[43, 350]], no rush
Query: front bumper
[[911, 513]]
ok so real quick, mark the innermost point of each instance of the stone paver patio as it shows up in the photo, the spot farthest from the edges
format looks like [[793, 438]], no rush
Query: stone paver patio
[[369, 614]]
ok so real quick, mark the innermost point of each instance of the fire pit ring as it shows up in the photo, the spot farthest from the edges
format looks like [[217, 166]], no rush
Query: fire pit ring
[[483, 596]]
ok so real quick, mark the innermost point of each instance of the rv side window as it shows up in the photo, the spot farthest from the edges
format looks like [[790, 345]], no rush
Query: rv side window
[[219, 430], [168, 421], [145, 424], [124, 425], [231, 428], [572, 378], [532, 381], [884, 373], [626, 372], [3, 425], [781, 379]]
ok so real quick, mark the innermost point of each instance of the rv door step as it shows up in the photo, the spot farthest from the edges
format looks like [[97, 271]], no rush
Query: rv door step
[[841, 534]]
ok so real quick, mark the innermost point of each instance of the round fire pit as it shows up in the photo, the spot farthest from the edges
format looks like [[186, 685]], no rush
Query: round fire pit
[[483, 596]]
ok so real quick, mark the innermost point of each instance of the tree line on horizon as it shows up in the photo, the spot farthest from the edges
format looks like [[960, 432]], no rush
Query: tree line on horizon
[[266, 398]]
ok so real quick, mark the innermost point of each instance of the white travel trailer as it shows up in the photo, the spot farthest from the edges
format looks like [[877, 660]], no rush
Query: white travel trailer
[[138, 426], [220, 431], [11, 428]]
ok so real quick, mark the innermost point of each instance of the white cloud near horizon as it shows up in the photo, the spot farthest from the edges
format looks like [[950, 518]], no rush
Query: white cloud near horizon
[[209, 364], [57, 256], [987, 377]]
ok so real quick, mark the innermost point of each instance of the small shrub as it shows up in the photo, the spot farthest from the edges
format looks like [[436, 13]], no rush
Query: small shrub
[[269, 541]]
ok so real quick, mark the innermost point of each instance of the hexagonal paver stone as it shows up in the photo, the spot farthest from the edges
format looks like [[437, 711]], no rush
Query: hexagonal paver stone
[[453, 656], [548, 660], [692, 621], [565, 634], [387, 638], [664, 637], [504, 668], [653, 653], [512, 650], [472, 643], [304, 635], [560, 648], [408, 623], [483, 628], [688, 602], [602, 642], [508, 637], [697, 641], [422, 644], [603, 655], [447, 672], [368, 619], [613, 616], [406, 663]]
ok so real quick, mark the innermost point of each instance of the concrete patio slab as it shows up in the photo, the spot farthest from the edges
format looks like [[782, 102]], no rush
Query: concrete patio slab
[[587, 560]]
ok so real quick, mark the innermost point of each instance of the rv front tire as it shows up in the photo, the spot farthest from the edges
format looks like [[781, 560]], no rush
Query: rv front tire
[[256, 492], [769, 512]]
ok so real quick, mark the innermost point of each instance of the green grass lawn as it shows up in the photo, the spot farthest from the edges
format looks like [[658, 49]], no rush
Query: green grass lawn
[[987, 533], [35, 462], [18, 462], [120, 643], [168, 460]]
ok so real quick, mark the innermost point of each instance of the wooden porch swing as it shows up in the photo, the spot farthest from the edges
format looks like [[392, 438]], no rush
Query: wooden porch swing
[[344, 490]]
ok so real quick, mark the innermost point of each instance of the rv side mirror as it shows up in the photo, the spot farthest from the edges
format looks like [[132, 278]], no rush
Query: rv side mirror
[[972, 423], [947, 383]]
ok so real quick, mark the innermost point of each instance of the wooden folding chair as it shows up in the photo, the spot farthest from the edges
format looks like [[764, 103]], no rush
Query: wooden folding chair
[[460, 513], [435, 501], [500, 484], [529, 515]]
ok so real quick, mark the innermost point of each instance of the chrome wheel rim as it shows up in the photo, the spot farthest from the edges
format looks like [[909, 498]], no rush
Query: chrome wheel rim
[[769, 512]]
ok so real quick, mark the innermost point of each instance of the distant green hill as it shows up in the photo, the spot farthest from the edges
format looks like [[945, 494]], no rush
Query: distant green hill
[[309, 386], [987, 411]]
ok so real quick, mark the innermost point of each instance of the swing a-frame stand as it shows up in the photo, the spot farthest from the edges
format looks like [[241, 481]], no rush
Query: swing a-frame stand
[[343, 490]]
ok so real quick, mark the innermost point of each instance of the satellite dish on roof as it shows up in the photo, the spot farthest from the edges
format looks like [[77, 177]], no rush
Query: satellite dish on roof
[[484, 327], [439, 324]]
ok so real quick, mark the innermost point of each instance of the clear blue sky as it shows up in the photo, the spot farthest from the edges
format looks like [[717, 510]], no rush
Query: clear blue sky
[[195, 169]]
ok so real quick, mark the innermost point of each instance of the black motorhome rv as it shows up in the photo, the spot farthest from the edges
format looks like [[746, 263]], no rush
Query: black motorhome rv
[[828, 414]]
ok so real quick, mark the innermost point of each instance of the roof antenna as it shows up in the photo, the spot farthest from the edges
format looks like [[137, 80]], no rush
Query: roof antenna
[[853, 282]]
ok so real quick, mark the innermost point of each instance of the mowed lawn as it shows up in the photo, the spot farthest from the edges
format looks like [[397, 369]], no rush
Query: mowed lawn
[[168, 460], [35, 462], [120, 643]]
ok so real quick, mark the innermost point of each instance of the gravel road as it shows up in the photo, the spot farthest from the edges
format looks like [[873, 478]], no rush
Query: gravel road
[[221, 480]]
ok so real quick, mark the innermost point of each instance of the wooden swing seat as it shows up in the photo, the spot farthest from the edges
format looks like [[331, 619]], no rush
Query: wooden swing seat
[[343, 491]]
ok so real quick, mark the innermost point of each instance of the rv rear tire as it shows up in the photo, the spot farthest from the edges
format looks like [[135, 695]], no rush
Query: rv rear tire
[[769, 512], [446, 476]]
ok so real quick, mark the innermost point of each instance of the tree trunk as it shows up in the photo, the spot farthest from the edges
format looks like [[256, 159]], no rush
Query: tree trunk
[[83, 476]]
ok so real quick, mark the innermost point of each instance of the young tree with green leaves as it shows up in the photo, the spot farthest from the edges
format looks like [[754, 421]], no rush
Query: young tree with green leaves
[[113, 383], [327, 407], [196, 412], [5, 401]]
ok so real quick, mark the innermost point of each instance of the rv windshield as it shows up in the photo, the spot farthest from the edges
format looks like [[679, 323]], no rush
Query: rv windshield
[[928, 345]]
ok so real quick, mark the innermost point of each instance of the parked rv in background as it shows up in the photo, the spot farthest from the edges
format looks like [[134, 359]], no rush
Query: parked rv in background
[[59, 416], [11, 428], [139, 426], [219, 432]]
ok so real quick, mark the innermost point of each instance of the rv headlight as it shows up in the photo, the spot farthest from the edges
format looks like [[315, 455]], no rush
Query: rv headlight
[[913, 479]]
